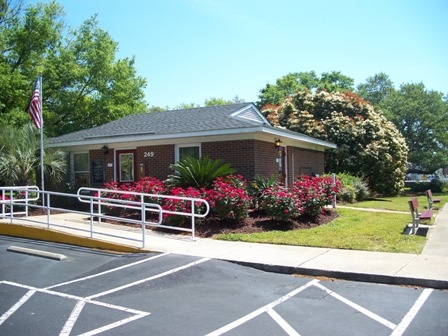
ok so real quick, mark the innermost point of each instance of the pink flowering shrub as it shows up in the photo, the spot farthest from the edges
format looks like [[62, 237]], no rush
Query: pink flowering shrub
[[5, 203], [181, 205], [114, 210], [228, 198], [280, 203], [184, 205], [113, 185], [314, 193], [150, 185]]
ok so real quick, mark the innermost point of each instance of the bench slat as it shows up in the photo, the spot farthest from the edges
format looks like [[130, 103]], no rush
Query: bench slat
[[416, 215], [425, 215], [431, 200]]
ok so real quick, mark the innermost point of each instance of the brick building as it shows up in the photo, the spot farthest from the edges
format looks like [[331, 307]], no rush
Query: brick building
[[146, 144]]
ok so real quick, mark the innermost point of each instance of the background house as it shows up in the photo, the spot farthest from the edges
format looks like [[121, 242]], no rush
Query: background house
[[146, 144]]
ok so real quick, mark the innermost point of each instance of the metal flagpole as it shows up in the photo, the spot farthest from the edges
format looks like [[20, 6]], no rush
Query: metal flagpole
[[42, 179]]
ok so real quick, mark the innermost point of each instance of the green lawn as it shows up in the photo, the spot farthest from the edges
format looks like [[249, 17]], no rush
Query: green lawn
[[399, 203], [354, 229]]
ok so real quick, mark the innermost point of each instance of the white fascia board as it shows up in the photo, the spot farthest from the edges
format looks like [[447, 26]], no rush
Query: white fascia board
[[152, 137], [299, 137], [168, 138]]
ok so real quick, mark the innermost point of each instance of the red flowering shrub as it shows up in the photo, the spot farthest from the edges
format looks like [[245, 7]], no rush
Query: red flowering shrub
[[5, 205], [314, 193], [181, 205], [113, 185], [147, 185], [150, 185], [279, 203], [229, 199]]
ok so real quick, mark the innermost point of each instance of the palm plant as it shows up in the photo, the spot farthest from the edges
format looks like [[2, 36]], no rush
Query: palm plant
[[257, 188], [20, 157], [198, 173]]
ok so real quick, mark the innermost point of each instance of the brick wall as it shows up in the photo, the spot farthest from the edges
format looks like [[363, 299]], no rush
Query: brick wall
[[250, 158], [240, 154], [266, 156], [304, 162], [155, 162], [150, 161]]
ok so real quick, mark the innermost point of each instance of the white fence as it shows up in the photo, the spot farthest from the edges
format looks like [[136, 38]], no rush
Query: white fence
[[23, 198]]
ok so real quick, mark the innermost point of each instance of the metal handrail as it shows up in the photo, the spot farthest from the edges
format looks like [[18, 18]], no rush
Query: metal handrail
[[107, 201], [96, 202], [12, 199]]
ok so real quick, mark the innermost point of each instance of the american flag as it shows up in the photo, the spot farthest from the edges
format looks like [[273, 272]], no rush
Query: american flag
[[34, 107]]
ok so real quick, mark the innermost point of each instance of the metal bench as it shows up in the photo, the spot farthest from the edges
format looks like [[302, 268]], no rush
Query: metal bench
[[416, 215], [431, 200]]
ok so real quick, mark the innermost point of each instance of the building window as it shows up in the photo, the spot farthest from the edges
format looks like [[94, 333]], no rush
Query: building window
[[81, 175], [188, 150], [126, 163]]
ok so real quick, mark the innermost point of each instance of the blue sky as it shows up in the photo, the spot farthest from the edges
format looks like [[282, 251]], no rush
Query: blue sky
[[191, 50]]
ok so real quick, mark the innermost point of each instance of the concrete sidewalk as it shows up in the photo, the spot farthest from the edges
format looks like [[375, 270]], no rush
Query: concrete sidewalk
[[429, 269]]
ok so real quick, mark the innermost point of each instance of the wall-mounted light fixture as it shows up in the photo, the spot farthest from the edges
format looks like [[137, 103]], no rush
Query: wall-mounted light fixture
[[277, 143], [105, 149]]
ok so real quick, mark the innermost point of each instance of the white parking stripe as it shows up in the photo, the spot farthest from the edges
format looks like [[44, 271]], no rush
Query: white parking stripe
[[68, 326], [76, 311], [358, 308], [282, 323], [407, 319], [108, 271], [174, 270], [261, 310], [71, 321], [114, 325], [18, 304]]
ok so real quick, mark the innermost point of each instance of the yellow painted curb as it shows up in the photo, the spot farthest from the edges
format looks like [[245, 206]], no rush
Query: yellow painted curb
[[23, 231]]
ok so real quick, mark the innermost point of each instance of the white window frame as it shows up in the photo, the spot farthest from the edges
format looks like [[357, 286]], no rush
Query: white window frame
[[178, 146], [133, 167], [73, 172]]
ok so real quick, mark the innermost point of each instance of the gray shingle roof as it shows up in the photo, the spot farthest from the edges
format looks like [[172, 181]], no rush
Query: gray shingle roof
[[229, 119], [201, 119]]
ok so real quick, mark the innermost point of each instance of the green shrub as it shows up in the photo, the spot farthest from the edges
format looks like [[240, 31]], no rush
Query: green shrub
[[182, 205], [256, 188], [353, 188], [347, 194], [362, 190], [280, 203], [314, 193], [435, 185], [228, 198]]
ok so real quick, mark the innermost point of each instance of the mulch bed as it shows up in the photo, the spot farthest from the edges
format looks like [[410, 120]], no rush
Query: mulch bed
[[258, 223], [212, 226]]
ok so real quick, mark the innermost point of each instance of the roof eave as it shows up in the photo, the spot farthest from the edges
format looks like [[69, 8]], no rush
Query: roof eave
[[153, 137], [300, 137]]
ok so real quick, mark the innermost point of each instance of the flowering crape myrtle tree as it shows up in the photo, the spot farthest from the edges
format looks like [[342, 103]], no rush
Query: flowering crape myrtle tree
[[368, 145]]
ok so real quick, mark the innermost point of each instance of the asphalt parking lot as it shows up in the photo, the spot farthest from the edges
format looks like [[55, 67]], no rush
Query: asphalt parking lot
[[95, 292]]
